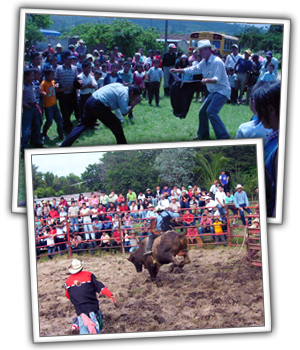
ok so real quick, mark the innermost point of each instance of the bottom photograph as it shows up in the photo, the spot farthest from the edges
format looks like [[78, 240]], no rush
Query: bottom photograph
[[148, 240]]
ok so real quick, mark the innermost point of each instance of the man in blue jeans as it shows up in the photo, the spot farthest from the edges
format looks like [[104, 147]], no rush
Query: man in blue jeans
[[242, 204], [215, 78]]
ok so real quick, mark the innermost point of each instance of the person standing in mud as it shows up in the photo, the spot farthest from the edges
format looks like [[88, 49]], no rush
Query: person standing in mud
[[81, 288]]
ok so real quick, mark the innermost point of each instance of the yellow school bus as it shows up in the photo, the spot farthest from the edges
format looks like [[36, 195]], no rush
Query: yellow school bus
[[222, 42]]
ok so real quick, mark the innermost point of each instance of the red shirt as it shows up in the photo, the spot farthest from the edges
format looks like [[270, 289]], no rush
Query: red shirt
[[54, 214], [124, 208], [117, 237], [188, 218]]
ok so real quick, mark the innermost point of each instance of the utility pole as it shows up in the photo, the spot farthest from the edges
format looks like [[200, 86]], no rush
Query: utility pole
[[166, 35]]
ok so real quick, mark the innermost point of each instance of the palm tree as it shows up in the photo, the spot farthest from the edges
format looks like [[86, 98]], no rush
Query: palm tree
[[208, 172]]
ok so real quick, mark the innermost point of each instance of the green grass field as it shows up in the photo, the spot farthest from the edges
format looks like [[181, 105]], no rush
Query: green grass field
[[158, 124], [151, 124]]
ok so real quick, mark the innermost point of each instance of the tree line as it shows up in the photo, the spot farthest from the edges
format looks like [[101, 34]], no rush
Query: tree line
[[142, 169]]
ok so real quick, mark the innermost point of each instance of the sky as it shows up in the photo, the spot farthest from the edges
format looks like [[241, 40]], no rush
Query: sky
[[64, 164]]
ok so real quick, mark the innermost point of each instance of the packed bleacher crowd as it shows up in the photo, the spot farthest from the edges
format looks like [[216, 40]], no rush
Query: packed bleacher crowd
[[103, 221]]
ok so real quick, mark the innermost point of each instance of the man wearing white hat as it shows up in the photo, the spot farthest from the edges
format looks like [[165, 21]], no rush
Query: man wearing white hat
[[81, 48], [81, 288], [168, 62], [215, 78], [241, 203]]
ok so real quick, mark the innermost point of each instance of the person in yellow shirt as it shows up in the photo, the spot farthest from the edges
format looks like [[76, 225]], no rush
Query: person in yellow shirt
[[51, 109], [219, 232]]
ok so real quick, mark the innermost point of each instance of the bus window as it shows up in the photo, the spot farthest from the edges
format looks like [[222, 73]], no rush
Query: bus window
[[217, 44], [194, 43]]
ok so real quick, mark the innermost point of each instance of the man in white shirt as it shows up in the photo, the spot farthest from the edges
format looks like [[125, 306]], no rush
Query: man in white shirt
[[88, 228], [215, 78], [232, 59], [220, 199]]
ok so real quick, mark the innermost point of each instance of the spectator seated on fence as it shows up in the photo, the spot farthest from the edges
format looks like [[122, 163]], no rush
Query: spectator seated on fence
[[105, 241], [151, 214], [123, 209], [111, 210], [220, 200], [131, 197], [191, 234], [133, 242], [62, 213], [75, 243], [97, 227], [49, 238], [141, 209], [188, 219], [64, 203], [93, 200], [196, 191], [141, 196], [127, 221], [94, 212], [242, 204], [80, 200], [60, 236], [144, 231], [121, 198], [126, 235], [166, 190], [133, 211], [164, 202], [38, 210], [190, 191], [149, 195], [87, 222], [213, 189], [184, 200], [73, 215], [113, 197], [210, 204], [174, 206], [103, 199], [193, 201], [206, 225], [45, 209], [229, 202], [176, 192], [255, 224], [196, 211], [53, 213], [54, 204], [101, 212], [219, 232]]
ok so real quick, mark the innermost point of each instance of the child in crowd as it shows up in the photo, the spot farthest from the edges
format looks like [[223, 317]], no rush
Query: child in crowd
[[88, 85], [146, 80], [269, 75], [126, 74], [133, 242], [219, 232], [30, 112], [104, 70], [99, 79], [81, 58], [50, 104], [139, 76], [156, 75]]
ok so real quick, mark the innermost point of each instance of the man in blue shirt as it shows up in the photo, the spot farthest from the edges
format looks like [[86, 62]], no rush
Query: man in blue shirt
[[243, 68], [242, 204], [100, 106]]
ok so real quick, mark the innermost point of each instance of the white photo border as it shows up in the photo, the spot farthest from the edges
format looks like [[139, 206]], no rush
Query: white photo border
[[263, 226]]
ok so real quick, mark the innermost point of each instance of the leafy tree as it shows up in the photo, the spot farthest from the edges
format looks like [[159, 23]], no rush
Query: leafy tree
[[93, 177], [32, 29], [37, 177], [175, 166], [209, 171]]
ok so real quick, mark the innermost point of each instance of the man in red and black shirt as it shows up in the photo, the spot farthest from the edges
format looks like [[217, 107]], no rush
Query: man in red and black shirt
[[81, 288]]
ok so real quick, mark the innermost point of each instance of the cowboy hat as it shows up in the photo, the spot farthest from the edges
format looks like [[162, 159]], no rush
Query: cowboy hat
[[76, 266], [255, 220], [239, 186], [205, 43], [159, 208]]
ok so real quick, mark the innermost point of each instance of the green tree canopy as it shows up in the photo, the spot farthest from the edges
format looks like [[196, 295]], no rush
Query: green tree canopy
[[32, 29]]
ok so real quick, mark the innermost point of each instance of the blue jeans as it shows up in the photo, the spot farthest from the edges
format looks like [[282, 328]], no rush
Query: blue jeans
[[202, 230], [51, 250], [53, 113], [31, 125], [132, 249], [243, 216], [209, 111], [222, 237], [144, 234], [74, 221], [221, 210], [88, 228]]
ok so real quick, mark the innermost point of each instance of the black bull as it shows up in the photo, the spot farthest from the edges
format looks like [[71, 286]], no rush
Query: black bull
[[164, 251]]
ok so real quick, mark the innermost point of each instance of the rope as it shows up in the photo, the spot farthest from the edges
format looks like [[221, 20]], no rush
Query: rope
[[243, 241]]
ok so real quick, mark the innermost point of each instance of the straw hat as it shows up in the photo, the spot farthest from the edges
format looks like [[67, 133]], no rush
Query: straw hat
[[159, 208], [75, 266], [239, 186], [255, 220]]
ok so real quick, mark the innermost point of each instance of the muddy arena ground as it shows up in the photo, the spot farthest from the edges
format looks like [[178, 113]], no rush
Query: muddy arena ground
[[216, 290]]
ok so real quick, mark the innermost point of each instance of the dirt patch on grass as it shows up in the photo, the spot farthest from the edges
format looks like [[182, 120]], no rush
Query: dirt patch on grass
[[216, 290]]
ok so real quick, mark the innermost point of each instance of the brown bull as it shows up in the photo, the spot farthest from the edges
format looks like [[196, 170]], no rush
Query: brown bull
[[164, 251]]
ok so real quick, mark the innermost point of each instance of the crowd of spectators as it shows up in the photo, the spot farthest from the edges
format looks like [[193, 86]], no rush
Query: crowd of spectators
[[100, 220]]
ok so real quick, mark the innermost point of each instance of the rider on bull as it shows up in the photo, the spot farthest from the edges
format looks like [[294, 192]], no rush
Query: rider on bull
[[163, 224]]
